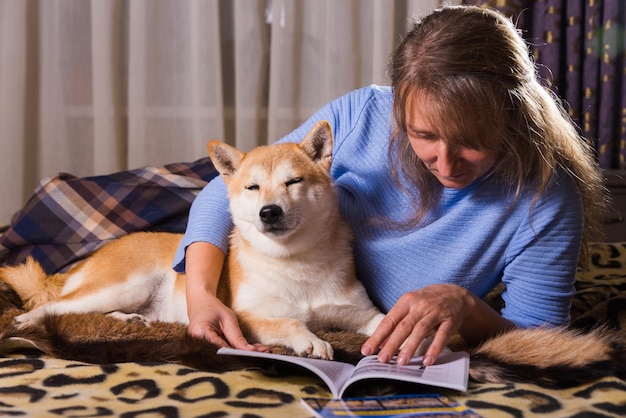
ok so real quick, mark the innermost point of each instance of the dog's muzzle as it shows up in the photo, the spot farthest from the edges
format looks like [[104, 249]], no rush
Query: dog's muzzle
[[271, 214], [273, 218]]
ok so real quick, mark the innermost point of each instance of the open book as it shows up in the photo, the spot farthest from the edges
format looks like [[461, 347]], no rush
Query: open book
[[450, 371]]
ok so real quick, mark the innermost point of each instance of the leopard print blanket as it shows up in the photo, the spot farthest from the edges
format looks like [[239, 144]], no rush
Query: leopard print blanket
[[36, 384]]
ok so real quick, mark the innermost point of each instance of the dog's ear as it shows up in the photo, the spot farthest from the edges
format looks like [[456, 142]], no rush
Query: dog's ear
[[225, 158], [318, 144]]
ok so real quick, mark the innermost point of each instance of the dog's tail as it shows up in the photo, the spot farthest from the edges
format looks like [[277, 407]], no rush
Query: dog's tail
[[31, 283], [553, 357]]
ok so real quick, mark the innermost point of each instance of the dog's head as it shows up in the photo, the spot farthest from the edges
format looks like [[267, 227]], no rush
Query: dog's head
[[280, 194]]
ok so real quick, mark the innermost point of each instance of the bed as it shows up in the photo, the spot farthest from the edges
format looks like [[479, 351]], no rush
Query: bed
[[82, 377]]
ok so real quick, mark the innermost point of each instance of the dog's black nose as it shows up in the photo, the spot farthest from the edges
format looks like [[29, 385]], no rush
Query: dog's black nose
[[270, 214]]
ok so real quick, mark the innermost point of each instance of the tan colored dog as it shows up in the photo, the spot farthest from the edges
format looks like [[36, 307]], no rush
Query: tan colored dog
[[290, 269]]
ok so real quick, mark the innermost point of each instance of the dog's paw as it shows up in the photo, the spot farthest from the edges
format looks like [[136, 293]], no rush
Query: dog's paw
[[25, 320], [314, 348], [130, 317]]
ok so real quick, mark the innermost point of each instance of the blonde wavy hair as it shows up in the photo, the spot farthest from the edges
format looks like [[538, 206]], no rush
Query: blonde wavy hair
[[474, 69]]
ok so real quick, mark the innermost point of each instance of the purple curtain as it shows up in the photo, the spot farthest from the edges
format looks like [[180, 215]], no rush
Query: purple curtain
[[579, 47]]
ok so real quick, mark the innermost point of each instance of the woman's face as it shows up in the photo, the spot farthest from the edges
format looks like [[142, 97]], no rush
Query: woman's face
[[454, 166]]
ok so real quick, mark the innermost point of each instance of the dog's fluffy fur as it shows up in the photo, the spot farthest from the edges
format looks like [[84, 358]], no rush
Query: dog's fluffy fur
[[289, 278], [289, 272]]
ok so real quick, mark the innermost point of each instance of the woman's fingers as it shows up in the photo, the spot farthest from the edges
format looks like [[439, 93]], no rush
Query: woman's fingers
[[379, 336], [208, 334], [219, 326], [409, 343], [229, 328], [414, 317], [398, 329], [438, 344]]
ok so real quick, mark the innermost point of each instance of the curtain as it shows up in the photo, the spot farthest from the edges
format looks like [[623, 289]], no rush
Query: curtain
[[579, 46], [91, 87]]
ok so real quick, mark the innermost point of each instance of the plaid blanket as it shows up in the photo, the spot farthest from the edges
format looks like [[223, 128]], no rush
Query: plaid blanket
[[68, 218]]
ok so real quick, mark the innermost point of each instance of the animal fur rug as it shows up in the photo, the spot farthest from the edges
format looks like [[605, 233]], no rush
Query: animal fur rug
[[101, 339]]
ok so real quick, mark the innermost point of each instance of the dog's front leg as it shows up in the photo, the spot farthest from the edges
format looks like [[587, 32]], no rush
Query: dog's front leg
[[370, 326], [359, 316], [287, 332]]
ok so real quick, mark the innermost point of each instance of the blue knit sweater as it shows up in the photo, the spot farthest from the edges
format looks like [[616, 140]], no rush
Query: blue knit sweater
[[477, 237]]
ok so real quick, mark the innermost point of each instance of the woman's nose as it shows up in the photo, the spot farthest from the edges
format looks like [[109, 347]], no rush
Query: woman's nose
[[446, 156]]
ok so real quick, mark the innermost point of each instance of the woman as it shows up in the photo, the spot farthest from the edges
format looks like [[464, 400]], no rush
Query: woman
[[464, 174]]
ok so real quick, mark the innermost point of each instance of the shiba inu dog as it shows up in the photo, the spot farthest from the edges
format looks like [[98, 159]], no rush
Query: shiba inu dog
[[289, 271]]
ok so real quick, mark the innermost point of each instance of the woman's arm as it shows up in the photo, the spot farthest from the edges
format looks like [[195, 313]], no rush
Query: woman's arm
[[539, 279], [209, 318]]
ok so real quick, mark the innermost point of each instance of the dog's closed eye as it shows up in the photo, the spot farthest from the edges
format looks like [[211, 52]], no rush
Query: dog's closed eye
[[252, 187], [293, 181]]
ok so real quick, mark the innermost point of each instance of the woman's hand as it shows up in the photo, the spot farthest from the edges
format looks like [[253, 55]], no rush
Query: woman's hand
[[439, 308], [444, 309], [218, 324]]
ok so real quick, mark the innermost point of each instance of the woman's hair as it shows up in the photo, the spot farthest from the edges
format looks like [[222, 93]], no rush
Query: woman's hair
[[473, 70]]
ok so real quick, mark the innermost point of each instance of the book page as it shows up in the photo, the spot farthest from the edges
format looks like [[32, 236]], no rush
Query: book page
[[333, 373], [451, 371]]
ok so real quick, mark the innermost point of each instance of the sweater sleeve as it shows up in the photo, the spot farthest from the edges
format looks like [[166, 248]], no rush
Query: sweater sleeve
[[209, 221], [540, 275]]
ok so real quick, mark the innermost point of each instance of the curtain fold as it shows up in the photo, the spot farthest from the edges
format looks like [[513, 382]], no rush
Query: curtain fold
[[14, 97], [109, 123], [91, 87]]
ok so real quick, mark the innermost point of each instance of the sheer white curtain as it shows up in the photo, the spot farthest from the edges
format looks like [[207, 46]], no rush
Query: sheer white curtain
[[91, 87]]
